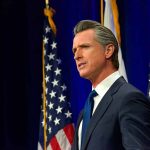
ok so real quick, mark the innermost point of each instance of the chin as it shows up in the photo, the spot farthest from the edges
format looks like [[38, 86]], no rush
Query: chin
[[83, 75]]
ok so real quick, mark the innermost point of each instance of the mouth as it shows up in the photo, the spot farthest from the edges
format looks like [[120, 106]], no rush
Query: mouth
[[81, 65]]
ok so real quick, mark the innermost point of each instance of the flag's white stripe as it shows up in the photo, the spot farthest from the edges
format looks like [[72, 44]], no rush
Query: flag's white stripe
[[108, 17], [109, 23], [121, 65], [63, 140], [39, 146], [49, 147]]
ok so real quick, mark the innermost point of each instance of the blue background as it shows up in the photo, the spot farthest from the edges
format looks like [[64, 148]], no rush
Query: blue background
[[21, 25]]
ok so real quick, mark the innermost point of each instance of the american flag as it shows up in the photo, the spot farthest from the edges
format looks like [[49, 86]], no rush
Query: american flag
[[59, 127]]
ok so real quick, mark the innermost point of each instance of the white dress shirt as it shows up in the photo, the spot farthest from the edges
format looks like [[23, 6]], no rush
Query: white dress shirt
[[101, 90]]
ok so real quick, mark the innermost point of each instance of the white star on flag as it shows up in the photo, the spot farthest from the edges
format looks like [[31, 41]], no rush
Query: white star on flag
[[64, 87], [55, 82], [68, 114], [53, 45], [45, 40], [48, 67], [62, 98], [47, 78], [50, 129], [47, 29], [51, 105], [57, 71], [59, 110], [51, 56], [52, 94], [50, 117], [56, 121], [59, 61]]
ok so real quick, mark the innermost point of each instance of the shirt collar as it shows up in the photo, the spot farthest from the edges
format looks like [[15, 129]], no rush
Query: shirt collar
[[104, 85]]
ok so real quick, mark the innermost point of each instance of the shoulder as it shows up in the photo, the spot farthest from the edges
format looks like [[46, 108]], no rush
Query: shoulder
[[128, 96], [132, 100], [127, 90]]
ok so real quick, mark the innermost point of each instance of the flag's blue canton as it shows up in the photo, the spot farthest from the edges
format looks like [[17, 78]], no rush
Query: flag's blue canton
[[57, 104]]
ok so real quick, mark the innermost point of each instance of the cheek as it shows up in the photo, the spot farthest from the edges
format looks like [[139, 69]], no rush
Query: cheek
[[97, 60], [97, 64], [98, 54]]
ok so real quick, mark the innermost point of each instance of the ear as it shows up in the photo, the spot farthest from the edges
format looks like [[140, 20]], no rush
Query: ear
[[109, 50]]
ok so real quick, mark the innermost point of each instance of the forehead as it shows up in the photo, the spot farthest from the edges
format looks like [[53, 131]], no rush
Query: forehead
[[84, 36]]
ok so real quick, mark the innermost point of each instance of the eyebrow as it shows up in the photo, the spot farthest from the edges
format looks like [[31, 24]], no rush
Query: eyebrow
[[85, 45], [82, 45]]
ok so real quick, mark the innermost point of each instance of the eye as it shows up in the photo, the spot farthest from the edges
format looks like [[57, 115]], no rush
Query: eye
[[85, 46], [74, 50]]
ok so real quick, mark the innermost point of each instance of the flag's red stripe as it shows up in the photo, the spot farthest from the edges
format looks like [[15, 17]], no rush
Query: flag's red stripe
[[69, 131], [54, 144]]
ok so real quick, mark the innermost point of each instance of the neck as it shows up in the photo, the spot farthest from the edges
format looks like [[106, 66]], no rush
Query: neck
[[95, 81]]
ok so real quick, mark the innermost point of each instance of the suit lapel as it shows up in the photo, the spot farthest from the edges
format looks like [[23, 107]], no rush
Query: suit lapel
[[101, 108]]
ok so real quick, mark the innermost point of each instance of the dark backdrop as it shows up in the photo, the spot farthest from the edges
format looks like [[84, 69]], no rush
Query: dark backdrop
[[21, 25]]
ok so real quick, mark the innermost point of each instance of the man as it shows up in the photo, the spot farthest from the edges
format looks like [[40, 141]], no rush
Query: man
[[121, 113]]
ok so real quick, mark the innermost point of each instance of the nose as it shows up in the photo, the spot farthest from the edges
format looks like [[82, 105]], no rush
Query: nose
[[77, 54]]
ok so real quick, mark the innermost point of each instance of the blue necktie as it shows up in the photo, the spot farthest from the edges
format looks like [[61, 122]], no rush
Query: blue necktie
[[87, 112]]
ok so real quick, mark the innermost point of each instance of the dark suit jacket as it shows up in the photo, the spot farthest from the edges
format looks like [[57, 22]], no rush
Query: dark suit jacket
[[120, 122]]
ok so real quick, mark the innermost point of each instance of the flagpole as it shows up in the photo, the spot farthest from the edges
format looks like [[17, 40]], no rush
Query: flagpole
[[102, 12], [49, 12], [44, 99], [116, 17], [44, 90]]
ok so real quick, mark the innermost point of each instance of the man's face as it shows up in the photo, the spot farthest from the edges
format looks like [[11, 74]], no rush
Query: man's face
[[89, 55]]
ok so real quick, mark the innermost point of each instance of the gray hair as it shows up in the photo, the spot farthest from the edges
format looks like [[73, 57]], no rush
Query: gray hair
[[103, 35]]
